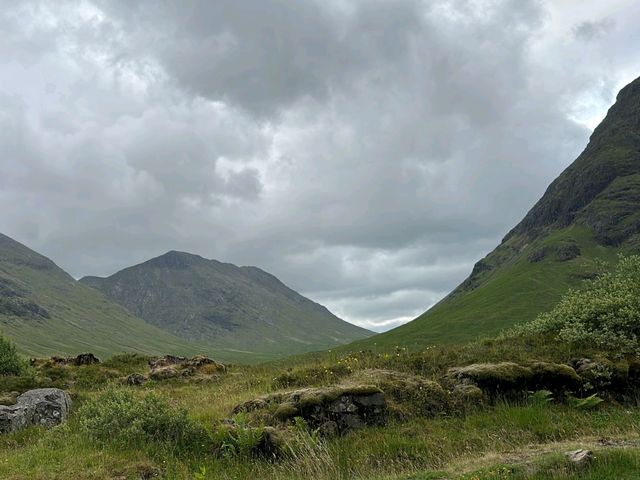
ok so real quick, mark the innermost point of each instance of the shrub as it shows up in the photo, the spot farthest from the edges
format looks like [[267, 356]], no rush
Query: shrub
[[605, 314], [10, 361], [120, 417]]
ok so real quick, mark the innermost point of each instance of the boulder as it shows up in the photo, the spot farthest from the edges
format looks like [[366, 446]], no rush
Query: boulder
[[408, 394], [555, 377], [85, 359], [466, 396], [165, 361], [171, 366], [493, 377], [136, 379], [44, 406], [334, 409]]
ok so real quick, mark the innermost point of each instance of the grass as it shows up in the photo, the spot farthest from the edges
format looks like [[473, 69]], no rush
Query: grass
[[418, 447]]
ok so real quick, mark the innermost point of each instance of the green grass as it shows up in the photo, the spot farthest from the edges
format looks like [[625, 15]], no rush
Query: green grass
[[418, 447]]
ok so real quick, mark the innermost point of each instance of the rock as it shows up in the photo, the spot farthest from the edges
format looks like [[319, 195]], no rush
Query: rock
[[556, 377], [85, 359], [165, 361], [580, 457], [466, 395], [344, 407], [45, 406], [136, 379], [171, 366], [409, 394], [493, 377]]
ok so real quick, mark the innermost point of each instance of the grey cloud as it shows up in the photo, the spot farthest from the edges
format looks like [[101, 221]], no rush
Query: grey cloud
[[591, 30], [365, 152]]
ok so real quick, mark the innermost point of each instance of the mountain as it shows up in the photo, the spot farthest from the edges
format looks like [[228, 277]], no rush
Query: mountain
[[46, 312], [591, 212], [242, 309]]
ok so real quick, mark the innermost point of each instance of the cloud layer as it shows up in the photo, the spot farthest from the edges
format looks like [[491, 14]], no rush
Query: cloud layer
[[365, 152]]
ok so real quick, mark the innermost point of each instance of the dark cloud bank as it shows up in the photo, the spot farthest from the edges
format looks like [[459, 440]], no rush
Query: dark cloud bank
[[365, 152]]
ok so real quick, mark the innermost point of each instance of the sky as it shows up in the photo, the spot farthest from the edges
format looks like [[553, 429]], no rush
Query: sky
[[366, 152]]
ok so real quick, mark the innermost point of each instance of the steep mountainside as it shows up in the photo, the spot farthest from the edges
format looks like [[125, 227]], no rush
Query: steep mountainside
[[46, 312], [230, 307], [590, 212]]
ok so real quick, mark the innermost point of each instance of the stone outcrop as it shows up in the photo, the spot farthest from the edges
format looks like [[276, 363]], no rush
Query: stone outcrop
[[510, 377], [45, 407], [334, 410], [170, 366]]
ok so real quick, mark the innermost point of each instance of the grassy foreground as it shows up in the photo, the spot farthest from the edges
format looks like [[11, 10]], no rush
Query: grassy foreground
[[506, 439]]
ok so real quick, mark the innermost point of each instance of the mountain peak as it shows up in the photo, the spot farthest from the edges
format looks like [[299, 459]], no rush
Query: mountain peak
[[175, 259], [613, 152]]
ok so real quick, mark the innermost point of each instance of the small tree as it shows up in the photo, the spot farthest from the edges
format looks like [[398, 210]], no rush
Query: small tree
[[10, 361], [606, 313]]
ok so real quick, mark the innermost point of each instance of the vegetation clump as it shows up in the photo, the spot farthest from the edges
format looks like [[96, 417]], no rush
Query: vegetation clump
[[117, 416], [10, 361], [605, 314]]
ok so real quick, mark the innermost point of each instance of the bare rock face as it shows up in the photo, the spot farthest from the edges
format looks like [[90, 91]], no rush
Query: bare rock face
[[44, 406]]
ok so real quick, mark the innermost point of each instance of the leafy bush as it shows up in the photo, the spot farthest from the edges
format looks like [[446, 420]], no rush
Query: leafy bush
[[605, 314], [10, 361], [119, 416]]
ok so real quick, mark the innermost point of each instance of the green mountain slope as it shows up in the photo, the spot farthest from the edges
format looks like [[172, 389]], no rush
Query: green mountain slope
[[230, 307], [590, 212], [46, 312]]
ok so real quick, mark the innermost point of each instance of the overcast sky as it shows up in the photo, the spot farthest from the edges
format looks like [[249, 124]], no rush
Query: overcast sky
[[366, 152]]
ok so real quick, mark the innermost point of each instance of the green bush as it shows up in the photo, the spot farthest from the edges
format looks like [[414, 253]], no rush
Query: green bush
[[604, 314], [118, 416], [10, 361]]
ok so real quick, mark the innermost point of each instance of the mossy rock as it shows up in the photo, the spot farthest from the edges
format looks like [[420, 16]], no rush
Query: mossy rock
[[410, 394], [466, 396], [349, 405], [555, 377], [494, 377]]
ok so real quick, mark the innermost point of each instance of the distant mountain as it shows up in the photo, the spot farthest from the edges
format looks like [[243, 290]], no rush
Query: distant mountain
[[46, 312], [238, 308], [590, 212]]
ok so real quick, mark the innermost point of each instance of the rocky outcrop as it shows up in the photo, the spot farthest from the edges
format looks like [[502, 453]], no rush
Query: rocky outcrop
[[82, 359], [510, 377], [170, 366], [136, 379], [333, 410], [44, 407]]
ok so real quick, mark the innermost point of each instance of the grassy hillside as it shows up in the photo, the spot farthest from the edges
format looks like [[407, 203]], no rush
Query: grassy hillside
[[590, 213], [46, 312], [233, 308]]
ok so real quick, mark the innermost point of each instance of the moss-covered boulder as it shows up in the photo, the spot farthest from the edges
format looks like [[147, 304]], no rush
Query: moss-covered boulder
[[408, 394], [504, 377], [555, 377], [170, 366], [332, 409], [467, 396]]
